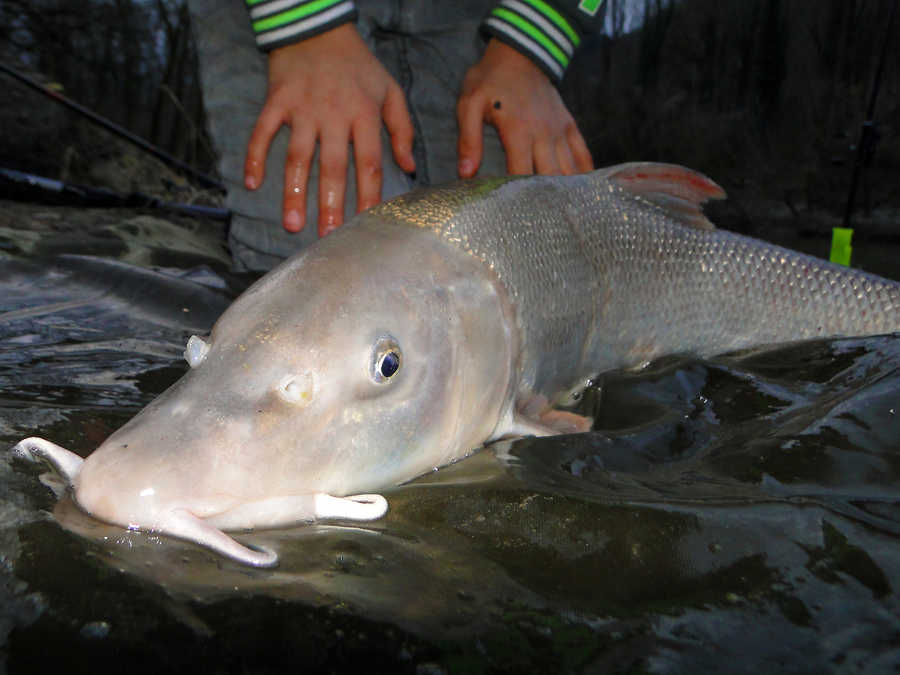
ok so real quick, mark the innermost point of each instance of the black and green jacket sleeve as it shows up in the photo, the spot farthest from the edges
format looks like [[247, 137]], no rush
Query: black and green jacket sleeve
[[547, 32], [281, 22]]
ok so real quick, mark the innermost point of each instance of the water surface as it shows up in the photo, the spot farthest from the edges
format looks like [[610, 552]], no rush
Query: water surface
[[737, 514]]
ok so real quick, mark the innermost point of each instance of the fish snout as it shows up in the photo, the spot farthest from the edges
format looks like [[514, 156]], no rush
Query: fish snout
[[106, 488], [132, 485]]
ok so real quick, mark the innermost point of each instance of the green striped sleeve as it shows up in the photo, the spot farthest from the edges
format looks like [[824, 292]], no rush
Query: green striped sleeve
[[281, 22], [547, 33]]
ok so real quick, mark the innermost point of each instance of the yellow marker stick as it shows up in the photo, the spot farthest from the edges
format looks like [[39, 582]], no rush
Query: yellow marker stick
[[840, 245]]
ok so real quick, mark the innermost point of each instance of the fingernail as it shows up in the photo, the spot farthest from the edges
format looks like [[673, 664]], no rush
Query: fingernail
[[292, 221], [465, 167], [250, 182]]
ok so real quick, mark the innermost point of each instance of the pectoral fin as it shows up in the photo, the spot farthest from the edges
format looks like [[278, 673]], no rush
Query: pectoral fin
[[565, 422], [535, 417], [550, 423]]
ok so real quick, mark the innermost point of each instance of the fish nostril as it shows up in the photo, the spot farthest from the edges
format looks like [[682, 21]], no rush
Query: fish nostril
[[297, 389]]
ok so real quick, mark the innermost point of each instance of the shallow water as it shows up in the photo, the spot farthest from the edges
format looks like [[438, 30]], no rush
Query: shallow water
[[740, 513]]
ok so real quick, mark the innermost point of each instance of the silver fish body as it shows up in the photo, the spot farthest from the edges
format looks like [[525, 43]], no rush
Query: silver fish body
[[604, 274], [439, 321]]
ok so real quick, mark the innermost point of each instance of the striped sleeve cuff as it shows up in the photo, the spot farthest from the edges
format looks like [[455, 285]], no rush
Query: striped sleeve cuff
[[537, 30], [281, 22]]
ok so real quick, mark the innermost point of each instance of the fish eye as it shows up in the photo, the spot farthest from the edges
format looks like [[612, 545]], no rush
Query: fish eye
[[390, 362], [386, 360]]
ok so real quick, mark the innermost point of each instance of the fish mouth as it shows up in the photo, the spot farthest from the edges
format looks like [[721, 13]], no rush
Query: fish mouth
[[209, 532]]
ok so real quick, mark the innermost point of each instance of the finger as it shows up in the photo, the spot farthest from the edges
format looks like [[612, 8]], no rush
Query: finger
[[267, 124], [296, 177], [583, 160], [564, 157], [367, 156], [470, 147], [545, 161], [519, 149], [400, 127], [332, 178]]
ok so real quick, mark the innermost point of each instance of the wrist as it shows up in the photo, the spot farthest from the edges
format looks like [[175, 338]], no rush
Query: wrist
[[501, 54], [340, 37], [536, 31], [277, 29]]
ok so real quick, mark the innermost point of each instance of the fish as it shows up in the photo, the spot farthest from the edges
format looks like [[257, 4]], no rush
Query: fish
[[438, 322]]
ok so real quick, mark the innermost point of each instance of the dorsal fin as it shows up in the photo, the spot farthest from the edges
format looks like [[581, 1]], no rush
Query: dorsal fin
[[677, 189]]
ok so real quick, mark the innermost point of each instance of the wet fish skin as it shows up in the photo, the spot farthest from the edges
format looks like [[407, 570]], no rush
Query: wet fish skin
[[618, 267], [497, 299]]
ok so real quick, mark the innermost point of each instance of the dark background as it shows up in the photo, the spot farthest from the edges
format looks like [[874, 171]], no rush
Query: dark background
[[767, 97]]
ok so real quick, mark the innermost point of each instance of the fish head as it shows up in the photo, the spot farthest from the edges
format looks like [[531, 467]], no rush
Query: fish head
[[371, 358]]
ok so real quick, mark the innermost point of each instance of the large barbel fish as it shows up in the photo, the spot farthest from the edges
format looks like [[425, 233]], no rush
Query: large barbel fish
[[440, 321]]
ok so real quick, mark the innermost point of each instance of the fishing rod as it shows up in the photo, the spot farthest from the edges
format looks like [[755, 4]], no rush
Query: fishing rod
[[29, 187], [841, 248], [109, 125], [868, 137]]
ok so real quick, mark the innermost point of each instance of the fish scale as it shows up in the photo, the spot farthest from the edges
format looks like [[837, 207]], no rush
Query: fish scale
[[602, 277]]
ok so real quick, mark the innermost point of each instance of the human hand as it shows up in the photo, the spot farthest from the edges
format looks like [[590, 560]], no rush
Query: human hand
[[329, 88], [507, 90]]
